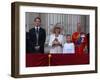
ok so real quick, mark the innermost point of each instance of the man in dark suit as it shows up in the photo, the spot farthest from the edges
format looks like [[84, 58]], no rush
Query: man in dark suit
[[37, 37]]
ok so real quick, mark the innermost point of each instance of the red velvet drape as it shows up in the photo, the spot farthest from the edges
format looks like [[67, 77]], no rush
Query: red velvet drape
[[36, 60]]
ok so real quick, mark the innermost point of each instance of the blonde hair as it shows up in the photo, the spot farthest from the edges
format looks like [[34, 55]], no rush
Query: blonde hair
[[57, 27]]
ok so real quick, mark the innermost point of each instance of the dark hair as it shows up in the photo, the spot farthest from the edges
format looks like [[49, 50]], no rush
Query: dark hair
[[37, 18], [68, 35]]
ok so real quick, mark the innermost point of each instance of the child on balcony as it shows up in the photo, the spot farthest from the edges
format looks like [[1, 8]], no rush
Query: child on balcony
[[69, 47]]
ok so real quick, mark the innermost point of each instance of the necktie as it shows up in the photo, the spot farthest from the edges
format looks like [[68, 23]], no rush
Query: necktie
[[37, 30], [37, 35]]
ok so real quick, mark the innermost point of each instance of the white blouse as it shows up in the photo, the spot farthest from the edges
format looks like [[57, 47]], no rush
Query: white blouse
[[59, 48]]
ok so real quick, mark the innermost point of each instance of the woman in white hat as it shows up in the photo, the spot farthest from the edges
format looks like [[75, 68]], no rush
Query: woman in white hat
[[56, 40]]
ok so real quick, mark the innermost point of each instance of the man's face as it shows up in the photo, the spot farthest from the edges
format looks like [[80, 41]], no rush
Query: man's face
[[37, 22]]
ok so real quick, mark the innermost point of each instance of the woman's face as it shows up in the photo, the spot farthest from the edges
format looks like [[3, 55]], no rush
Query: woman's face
[[57, 31]]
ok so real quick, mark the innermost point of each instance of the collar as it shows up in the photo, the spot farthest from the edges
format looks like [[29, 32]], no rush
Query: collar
[[37, 27]]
